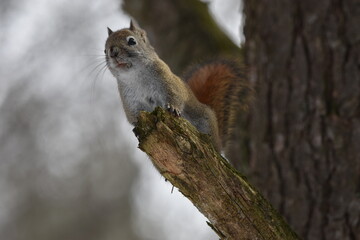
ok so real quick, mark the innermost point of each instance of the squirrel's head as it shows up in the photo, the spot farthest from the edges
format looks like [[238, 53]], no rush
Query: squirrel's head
[[127, 49]]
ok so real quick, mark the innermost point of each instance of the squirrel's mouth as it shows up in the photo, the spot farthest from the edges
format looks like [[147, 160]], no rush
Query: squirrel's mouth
[[121, 64]]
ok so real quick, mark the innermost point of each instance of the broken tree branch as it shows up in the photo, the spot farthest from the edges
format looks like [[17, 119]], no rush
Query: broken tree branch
[[188, 160]]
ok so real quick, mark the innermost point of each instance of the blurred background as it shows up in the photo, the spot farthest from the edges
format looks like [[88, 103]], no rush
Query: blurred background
[[69, 163]]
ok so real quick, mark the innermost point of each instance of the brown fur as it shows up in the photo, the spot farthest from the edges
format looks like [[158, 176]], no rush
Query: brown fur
[[221, 85]]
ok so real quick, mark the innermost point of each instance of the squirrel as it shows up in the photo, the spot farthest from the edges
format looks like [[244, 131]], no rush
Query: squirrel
[[209, 97]]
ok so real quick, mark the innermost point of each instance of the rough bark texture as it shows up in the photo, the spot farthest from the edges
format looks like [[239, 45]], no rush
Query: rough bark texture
[[188, 160], [304, 58]]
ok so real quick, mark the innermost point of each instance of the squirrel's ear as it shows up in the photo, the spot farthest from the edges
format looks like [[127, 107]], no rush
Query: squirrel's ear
[[109, 31], [134, 25]]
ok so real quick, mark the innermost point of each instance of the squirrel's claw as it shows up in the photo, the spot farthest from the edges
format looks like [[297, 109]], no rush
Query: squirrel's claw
[[170, 108]]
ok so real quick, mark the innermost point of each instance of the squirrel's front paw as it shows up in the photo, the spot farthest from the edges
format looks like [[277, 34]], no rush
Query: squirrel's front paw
[[176, 112]]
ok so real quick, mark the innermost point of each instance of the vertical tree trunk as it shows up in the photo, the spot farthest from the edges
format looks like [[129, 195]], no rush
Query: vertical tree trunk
[[304, 59]]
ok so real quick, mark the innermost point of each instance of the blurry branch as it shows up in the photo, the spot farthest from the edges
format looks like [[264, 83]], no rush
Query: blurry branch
[[188, 160], [182, 31]]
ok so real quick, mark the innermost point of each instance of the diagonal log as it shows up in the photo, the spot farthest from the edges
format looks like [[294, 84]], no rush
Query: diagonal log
[[188, 160]]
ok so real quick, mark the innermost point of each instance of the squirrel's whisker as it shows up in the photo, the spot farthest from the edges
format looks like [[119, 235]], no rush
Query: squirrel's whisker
[[100, 70], [98, 65]]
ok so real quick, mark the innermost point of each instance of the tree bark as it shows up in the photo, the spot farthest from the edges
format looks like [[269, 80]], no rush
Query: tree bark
[[189, 161], [304, 58]]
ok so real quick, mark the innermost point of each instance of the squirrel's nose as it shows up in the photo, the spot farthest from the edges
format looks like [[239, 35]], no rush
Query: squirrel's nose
[[114, 52]]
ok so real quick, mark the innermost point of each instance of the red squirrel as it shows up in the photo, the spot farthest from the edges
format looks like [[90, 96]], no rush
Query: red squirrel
[[209, 97]]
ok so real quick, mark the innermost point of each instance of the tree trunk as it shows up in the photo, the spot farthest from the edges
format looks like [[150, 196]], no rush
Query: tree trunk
[[189, 161], [186, 34], [304, 59]]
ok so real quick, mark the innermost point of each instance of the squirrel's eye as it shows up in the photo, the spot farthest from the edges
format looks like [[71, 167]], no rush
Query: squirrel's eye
[[131, 40]]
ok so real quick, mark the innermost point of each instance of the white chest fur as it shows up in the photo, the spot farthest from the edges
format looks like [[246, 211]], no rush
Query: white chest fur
[[139, 92]]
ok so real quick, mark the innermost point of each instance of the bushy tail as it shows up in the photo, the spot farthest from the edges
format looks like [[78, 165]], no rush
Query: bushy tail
[[221, 84]]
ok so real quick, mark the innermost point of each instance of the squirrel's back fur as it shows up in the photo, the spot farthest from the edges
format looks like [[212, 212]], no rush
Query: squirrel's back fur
[[222, 85]]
